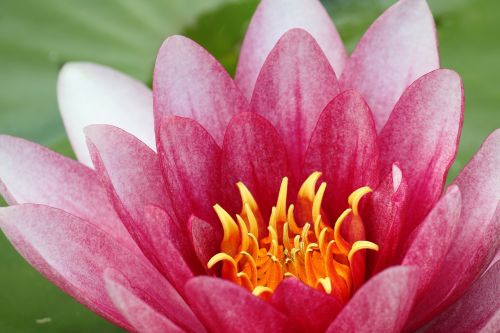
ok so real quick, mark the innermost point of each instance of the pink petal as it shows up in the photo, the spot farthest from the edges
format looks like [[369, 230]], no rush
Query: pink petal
[[271, 20], [191, 167], [399, 47], [206, 239], [30, 173], [308, 309], [138, 313], [254, 154], [434, 237], [131, 173], [383, 221], [476, 311], [226, 307], [129, 170], [73, 254], [168, 247], [381, 305], [343, 147], [476, 242], [189, 82], [94, 94], [422, 135], [294, 86]]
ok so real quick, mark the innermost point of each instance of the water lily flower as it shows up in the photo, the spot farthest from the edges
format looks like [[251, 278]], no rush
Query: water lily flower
[[306, 195]]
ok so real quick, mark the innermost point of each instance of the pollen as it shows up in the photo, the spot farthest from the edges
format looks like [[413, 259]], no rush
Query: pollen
[[314, 252]]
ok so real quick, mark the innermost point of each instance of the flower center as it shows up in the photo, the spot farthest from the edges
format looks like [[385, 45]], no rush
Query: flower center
[[316, 253]]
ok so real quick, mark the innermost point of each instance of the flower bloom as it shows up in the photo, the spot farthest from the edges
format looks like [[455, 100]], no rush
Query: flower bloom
[[307, 195]]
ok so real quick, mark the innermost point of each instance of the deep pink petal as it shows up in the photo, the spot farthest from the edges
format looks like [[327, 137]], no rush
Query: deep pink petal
[[189, 82], [205, 238], [399, 47], [226, 307], [191, 167], [422, 135], [73, 254], [307, 308], [30, 173], [138, 313], [168, 247], [294, 86], [381, 305], [343, 147], [476, 311], [94, 94], [271, 20], [433, 238], [477, 240], [383, 220], [253, 153]]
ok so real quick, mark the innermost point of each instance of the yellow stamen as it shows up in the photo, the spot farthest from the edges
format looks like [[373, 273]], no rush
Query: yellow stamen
[[316, 253]]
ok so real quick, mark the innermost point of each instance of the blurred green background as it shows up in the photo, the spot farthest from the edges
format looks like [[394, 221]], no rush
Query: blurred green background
[[38, 37]]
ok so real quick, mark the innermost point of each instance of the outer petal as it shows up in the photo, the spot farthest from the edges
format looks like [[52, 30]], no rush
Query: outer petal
[[344, 148], [432, 240], [383, 220], [30, 173], [308, 309], [271, 20], [131, 174], [381, 305], [94, 94], [254, 154], [294, 86], [476, 310], [138, 313], [226, 307], [397, 49], [189, 82], [190, 159], [422, 135], [478, 237], [74, 254]]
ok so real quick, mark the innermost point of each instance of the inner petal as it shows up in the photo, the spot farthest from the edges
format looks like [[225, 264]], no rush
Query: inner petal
[[315, 253]]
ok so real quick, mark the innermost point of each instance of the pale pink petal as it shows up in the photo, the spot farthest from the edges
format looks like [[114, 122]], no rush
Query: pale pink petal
[[190, 159], [433, 238], [477, 240], [422, 136], [399, 47], [30, 173], [309, 309], [381, 305], [130, 172], [383, 220], [253, 153], [478, 310], [94, 94], [271, 20], [141, 316], [226, 307], [293, 88], [73, 254], [343, 148], [189, 82]]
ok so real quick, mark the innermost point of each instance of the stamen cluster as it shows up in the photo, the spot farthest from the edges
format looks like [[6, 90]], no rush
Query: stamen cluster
[[316, 253]]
